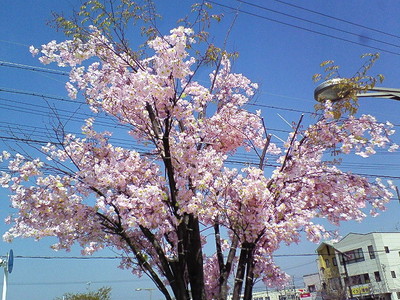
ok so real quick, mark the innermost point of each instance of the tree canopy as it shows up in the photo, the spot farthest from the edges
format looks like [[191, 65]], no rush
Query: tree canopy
[[161, 207], [103, 293]]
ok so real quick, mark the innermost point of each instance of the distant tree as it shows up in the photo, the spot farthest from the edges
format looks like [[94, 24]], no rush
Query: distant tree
[[334, 290], [163, 205], [103, 293]]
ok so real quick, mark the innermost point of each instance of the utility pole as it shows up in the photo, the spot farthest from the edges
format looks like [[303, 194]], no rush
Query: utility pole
[[294, 288], [7, 264], [347, 280]]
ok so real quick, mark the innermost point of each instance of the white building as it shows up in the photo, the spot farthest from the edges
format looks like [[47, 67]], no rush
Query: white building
[[362, 266], [312, 285]]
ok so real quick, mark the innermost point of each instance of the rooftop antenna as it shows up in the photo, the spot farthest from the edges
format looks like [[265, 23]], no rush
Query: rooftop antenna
[[8, 265]]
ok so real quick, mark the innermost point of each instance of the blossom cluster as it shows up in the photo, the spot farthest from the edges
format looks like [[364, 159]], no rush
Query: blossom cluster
[[193, 129]]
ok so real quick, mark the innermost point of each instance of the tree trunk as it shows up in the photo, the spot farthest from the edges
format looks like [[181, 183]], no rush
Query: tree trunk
[[225, 270], [241, 268], [249, 282], [245, 267], [194, 260]]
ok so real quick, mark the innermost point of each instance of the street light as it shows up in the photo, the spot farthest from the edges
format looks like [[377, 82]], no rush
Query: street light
[[7, 264], [146, 289], [334, 90]]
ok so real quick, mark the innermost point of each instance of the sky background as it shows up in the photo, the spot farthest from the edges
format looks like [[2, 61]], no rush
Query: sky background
[[281, 44]]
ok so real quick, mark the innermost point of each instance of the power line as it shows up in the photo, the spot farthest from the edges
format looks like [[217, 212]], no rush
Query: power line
[[28, 140], [14, 91], [31, 68], [69, 257], [315, 23], [338, 19], [282, 108], [14, 43], [77, 282], [29, 93], [250, 160], [51, 71], [120, 257], [302, 265], [244, 158], [303, 28], [70, 117]]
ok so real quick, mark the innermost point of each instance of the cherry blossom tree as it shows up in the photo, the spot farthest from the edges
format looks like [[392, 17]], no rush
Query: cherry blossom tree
[[162, 207]]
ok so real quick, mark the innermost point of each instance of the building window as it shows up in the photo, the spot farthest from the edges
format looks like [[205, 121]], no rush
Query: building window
[[366, 278], [327, 263], [393, 274], [357, 279], [352, 256], [334, 261], [377, 276], [387, 249], [371, 252], [398, 295], [312, 288]]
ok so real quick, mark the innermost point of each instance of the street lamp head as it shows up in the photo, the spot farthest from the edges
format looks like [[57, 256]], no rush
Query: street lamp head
[[150, 290], [339, 88], [330, 90]]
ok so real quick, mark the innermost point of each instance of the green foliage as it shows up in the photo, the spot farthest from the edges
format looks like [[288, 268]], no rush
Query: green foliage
[[101, 294], [112, 18], [214, 54], [115, 17], [349, 88]]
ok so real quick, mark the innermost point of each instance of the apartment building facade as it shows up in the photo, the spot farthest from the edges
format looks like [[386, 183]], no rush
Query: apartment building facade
[[361, 266]]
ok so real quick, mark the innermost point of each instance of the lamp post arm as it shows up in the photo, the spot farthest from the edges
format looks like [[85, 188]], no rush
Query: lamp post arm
[[382, 93], [385, 89], [331, 90]]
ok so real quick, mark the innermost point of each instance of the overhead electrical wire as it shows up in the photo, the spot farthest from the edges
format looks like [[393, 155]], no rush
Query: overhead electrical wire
[[120, 257], [76, 282], [29, 93], [32, 68], [54, 71], [244, 158], [14, 91], [337, 19], [99, 118], [87, 282], [303, 28], [246, 162], [50, 71], [315, 23], [72, 115], [52, 97]]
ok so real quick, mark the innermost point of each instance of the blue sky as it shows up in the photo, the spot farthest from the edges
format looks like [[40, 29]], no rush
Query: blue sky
[[280, 46]]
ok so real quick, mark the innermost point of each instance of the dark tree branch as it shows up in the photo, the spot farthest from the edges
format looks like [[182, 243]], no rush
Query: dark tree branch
[[176, 280], [240, 271]]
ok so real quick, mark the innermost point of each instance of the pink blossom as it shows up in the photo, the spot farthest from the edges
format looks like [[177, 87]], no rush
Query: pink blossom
[[91, 192]]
